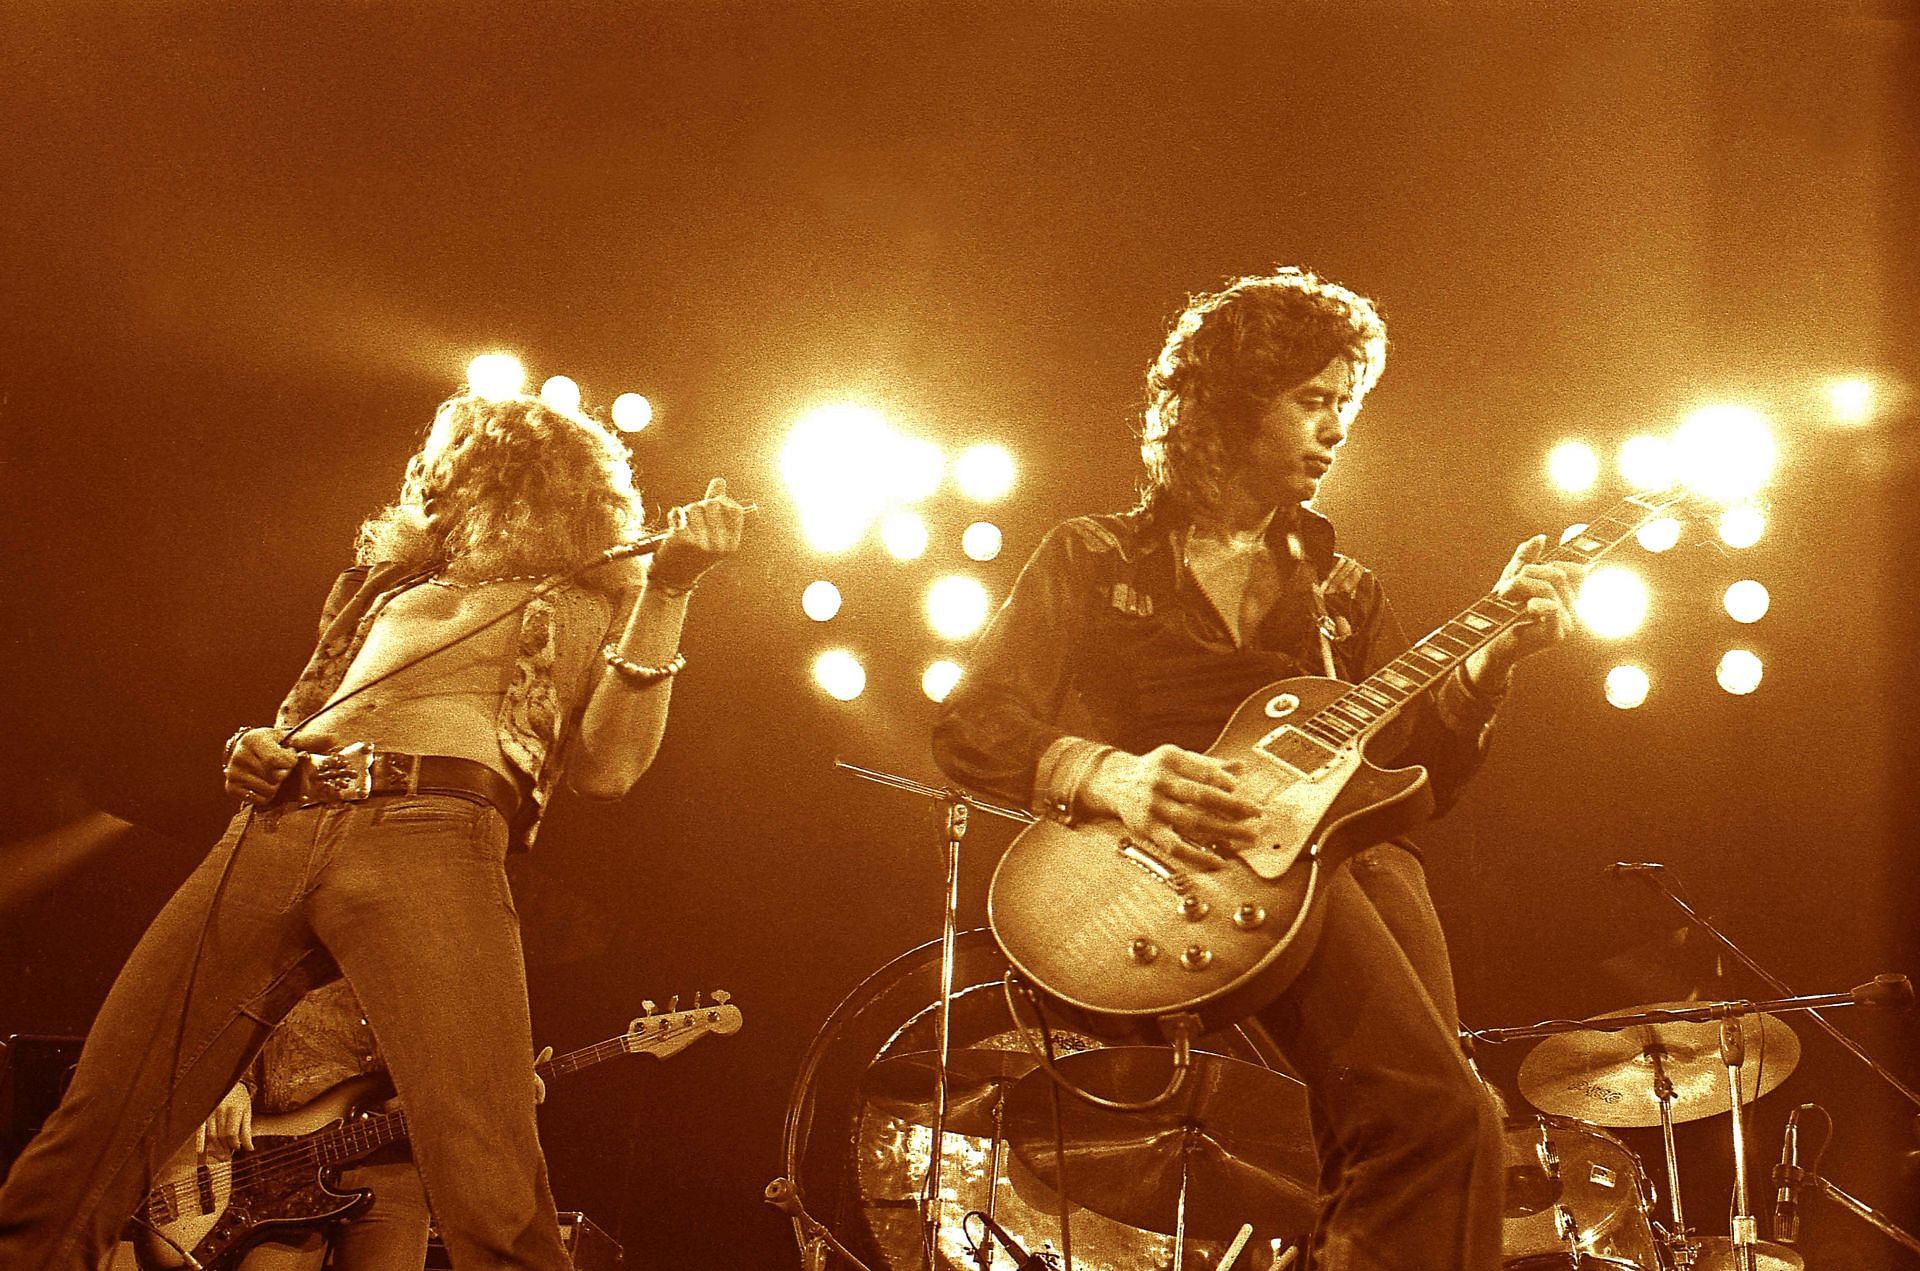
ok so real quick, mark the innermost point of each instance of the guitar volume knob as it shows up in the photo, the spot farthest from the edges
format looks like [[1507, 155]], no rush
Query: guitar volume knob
[[1143, 951], [1196, 957], [1248, 916], [1192, 908]]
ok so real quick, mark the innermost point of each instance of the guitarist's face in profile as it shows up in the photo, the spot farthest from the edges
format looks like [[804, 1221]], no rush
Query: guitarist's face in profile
[[1294, 443]]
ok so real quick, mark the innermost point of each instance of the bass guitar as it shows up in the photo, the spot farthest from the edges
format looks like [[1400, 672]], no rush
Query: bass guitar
[[1130, 941], [215, 1209]]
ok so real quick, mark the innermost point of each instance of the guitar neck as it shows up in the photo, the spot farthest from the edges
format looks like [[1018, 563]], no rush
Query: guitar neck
[[1367, 706]]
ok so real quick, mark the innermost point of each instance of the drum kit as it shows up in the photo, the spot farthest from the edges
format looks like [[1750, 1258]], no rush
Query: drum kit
[[927, 1131]]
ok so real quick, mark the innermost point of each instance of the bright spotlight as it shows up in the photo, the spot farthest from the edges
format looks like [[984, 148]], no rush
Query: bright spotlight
[[1747, 601], [562, 394], [1851, 399], [1612, 602], [914, 465], [1742, 526], [981, 541], [1627, 686], [1725, 452], [820, 601], [984, 472], [904, 534], [834, 528], [631, 412], [496, 376], [939, 678], [956, 606], [1739, 671], [1659, 534], [1572, 466], [840, 675], [834, 465], [1647, 463]]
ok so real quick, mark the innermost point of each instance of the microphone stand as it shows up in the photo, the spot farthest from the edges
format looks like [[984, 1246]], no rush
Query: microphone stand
[[1778, 985], [956, 805]]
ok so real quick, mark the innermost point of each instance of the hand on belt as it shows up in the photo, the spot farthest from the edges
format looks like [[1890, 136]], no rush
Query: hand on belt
[[362, 771]]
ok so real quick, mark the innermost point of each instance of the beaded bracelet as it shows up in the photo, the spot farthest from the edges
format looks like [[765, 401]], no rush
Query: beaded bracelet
[[642, 676]]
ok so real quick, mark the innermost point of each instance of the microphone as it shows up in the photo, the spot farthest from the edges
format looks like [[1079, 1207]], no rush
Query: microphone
[[1883, 990], [1787, 1176], [647, 544]]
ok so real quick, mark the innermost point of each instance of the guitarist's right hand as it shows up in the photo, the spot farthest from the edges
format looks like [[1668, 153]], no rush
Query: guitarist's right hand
[[1180, 801], [260, 761], [230, 1126]]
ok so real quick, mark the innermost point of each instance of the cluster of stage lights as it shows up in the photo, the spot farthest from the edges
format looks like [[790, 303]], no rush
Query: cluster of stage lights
[[1724, 454], [499, 376], [853, 475]]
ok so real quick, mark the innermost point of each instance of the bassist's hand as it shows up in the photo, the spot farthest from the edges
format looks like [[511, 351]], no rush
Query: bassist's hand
[[230, 1126], [1180, 801]]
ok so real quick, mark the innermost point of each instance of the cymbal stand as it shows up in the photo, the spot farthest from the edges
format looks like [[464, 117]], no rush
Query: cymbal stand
[[1746, 1230], [956, 806], [1654, 872], [1682, 1245], [1189, 1135]]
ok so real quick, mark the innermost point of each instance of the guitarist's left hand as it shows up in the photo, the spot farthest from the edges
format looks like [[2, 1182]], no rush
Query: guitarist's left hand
[[1546, 589]]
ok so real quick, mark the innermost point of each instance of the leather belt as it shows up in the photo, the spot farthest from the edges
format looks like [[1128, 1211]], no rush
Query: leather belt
[[361, 771]]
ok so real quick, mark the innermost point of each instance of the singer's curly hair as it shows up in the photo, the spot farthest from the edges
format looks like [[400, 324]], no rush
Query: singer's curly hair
[[1229, 355], [507, 486]]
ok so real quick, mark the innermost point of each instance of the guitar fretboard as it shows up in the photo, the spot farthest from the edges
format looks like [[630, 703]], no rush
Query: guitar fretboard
[[1309, 745]]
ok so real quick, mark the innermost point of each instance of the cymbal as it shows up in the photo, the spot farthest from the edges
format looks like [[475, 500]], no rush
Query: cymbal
[[904, 1085], [1607, 1078], [1716, 1253], [1240, 1129]]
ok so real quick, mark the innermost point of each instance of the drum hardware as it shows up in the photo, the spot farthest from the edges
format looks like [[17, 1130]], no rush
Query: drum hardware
[[1746, 1230], [956, 806], [817, 1238], [1236, 1142]]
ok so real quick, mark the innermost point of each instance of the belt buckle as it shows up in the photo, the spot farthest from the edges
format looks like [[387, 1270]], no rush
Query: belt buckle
[[347, 773]]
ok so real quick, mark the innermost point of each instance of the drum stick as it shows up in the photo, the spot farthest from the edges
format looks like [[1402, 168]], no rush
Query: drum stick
[[1233, 1250]]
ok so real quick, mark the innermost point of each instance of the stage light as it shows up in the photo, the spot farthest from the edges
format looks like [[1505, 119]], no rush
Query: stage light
[[496, 376], [1742, 526], [1739, 671], [840, 675], [939, 678], [956, 606], [1572, 466], [1659, 534], [834, 465], [1851, 399], [984, 472], [834, 528], [904, 534], [1612, 602], [820, 601], [1646, 462], [981, 541], [631, 412], [913, 468], [1747, 601], [562, 394], [1627, 686], [1725, 452]]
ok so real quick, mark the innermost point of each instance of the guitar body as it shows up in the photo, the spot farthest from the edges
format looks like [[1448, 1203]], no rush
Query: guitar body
[[1125, 937], [217, 1212]]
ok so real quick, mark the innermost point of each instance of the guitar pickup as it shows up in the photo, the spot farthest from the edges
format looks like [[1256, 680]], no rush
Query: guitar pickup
[[1153, 865]]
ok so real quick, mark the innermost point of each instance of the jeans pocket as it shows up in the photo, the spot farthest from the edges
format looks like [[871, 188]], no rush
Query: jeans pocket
[[429, 809]]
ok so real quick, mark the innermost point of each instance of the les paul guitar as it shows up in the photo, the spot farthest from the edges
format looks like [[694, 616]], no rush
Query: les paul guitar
[[215, 1209], [1125, 937]]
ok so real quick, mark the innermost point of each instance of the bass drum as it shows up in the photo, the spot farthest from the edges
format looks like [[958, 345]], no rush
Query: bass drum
[[859, 1159]]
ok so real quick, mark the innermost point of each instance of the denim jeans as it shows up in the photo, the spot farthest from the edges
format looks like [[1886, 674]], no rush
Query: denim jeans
[[407, 896], [1411, 1159]]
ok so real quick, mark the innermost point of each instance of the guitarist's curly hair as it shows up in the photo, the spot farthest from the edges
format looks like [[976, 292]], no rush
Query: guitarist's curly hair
[[507, 487], [1229, 355]]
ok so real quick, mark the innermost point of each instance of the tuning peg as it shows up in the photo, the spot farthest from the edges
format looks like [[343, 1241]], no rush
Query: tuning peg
[[673, 1003], [696, 999], [647, 1006], [721, 997]]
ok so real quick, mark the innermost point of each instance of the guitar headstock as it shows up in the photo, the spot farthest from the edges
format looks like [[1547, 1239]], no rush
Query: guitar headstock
[[673, 1031]]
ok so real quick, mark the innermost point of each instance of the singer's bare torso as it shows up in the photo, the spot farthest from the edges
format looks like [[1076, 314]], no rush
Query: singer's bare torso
[[448, 704]]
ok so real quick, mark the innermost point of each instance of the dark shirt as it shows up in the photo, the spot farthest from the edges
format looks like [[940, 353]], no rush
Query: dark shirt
[[1108, 636]]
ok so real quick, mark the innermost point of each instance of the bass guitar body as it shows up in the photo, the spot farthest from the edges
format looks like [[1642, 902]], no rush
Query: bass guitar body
[[1127, 937]]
